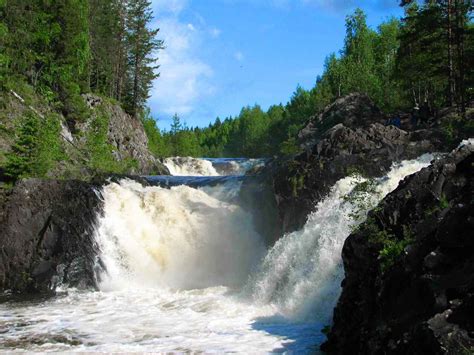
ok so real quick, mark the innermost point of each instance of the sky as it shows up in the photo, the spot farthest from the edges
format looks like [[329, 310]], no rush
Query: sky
[[222, 55]]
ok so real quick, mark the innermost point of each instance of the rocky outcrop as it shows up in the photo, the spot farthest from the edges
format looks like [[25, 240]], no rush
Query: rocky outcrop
[[47, 235], [126, 135], [353, 140], [354, 111], [300, 182], [409, 284]]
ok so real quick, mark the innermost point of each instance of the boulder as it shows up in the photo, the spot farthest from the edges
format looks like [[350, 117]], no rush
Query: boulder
[[419, 298], [299, 183], [353, 111], [347, 137], [47, 235]]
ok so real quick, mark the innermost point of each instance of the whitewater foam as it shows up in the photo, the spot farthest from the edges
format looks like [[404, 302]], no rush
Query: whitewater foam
[[187, 166], [176, 263], [301, 274], [179, 237]]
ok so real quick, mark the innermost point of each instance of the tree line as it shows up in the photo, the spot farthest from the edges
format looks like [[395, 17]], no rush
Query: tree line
[[424, 59], [64, 48]]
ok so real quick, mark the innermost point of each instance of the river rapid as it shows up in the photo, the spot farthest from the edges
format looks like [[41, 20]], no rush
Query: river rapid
[[185, 271]]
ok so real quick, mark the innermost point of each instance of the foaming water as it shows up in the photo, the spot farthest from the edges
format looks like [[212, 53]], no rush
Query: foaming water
[[235, 166], [187, 166], [179, 237], [185, 271], [302, 273]]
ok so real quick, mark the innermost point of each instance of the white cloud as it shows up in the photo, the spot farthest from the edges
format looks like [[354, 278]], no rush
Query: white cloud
[[184, 79], [168, 6], [239, 56], [215, 32]]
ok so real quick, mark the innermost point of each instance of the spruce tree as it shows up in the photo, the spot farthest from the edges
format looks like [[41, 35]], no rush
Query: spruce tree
[[3, 39], [142, 50]]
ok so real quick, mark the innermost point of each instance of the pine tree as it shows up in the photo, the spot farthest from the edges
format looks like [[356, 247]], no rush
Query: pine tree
[[176, 125], [72, 50], [3, 39], [108, 47], [21, 159], [142, 47]]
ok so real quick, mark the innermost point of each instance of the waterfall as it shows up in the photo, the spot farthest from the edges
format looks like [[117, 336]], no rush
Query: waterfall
[[179, 237], [185, 271], [187, 166], [185, 238], [302, 273]]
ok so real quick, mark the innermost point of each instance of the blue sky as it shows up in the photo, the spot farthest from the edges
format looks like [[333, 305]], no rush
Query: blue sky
[[221, 55]]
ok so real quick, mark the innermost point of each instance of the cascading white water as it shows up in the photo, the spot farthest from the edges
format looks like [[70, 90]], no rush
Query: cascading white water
[[180, 237], [302, 273], [187, 166], [177, 276], [235, 166]]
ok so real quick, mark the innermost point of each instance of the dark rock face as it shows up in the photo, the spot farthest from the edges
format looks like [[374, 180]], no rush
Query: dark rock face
[[354, 111], [306, 179], [46, 235], [353, 140], [423, 301]]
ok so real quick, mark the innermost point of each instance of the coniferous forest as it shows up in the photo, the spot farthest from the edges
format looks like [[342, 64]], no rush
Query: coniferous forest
[[60, 50], [350, 232]]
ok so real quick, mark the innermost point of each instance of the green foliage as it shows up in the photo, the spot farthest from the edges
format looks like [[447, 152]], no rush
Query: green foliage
[[49, 148], [443, 202], [37, 147], [432, 64], [391, 247], [456, 126], [296, 183], [290, 147], [100, 152], [361, 196], [156, 142], [391, 251]]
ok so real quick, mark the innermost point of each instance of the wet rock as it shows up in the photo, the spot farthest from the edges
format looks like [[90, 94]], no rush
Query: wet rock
[[302, 181], [347, 137], [422, 301], [47, 235]]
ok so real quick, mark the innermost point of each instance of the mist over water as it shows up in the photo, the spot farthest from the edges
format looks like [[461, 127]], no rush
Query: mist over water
[[180, 237], [185, 270], [301, 274]]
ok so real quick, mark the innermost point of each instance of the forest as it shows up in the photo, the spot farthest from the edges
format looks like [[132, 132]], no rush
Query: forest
[[424, 59], [65, 48]]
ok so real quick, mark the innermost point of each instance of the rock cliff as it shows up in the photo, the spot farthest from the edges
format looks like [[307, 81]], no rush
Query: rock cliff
[[345, 138], [409, 284], [127, 137], [47, 235]]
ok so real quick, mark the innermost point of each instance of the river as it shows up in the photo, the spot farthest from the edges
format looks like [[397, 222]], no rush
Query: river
[[184, 270]]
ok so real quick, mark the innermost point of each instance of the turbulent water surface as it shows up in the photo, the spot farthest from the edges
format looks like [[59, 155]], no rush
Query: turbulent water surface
[[186, 271]]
